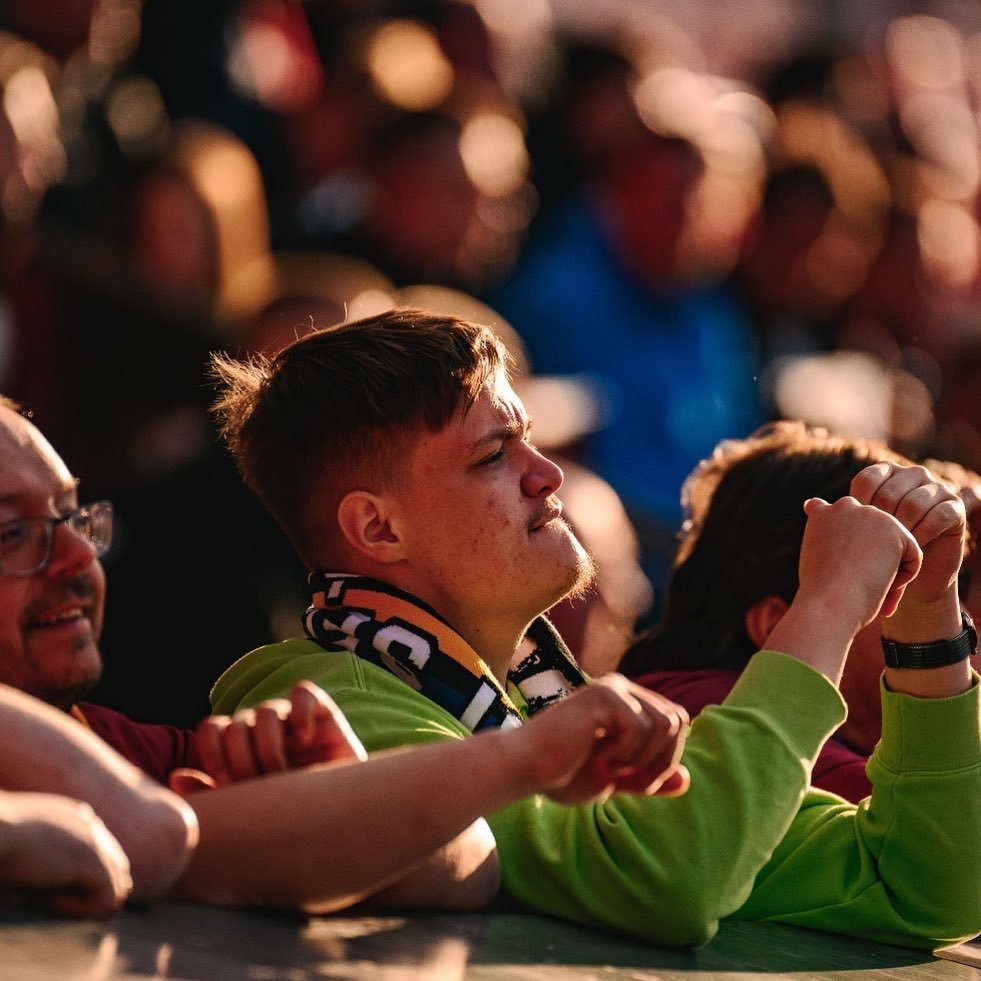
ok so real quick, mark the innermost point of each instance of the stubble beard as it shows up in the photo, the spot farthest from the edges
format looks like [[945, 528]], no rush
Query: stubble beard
[[67, 695], [583, 573], [63, 692]]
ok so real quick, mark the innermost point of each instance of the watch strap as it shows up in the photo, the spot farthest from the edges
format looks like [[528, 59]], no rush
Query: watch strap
[[935, 654]]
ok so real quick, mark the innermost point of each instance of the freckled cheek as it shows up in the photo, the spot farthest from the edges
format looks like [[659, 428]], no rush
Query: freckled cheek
[[492, 534], [497, 518]]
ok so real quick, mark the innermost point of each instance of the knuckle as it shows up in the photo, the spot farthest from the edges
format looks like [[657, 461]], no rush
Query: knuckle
[[213, 724], [272, 708], [84, 810]]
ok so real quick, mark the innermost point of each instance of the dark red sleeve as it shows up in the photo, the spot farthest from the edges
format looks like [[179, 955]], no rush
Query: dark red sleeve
[[691, 689], [842, 771], [155, 749]]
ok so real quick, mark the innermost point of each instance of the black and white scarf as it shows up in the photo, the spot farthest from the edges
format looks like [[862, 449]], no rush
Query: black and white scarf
[[397, 632]]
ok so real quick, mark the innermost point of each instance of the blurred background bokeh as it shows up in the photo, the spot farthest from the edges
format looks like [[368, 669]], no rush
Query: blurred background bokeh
[[685, 219]]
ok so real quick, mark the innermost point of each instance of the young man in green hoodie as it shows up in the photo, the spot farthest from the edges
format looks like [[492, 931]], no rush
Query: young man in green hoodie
[[398, 459]]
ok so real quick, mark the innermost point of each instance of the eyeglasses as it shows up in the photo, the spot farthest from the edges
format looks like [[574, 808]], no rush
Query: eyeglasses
[[26, 543]]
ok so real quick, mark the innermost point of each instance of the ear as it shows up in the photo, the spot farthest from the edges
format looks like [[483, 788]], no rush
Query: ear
[[762, 617], [366, 524]]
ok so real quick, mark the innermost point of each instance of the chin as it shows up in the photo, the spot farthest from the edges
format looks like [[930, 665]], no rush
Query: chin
[[65, 692], [580, 572]]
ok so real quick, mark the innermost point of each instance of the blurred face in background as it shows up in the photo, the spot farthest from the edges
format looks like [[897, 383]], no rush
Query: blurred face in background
[[650, 195], [425, 204], [173, 241]]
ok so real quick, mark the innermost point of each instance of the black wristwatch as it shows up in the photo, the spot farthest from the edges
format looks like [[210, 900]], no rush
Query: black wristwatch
[[937, 653]]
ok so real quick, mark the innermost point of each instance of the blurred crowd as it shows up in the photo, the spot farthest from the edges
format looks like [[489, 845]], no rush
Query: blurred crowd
[[684, 222]]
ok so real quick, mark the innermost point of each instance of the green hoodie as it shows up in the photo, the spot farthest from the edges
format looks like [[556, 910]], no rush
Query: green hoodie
[[750, 840]]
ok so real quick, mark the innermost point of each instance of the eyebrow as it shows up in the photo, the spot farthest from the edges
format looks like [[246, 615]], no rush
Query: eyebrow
[[510, 430]]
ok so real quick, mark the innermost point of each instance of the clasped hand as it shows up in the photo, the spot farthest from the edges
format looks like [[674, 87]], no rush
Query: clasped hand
[[278, 734]]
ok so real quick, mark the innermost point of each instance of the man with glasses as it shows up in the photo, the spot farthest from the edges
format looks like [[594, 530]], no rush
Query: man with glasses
[[61, 662], [313, 838], [68, 663]]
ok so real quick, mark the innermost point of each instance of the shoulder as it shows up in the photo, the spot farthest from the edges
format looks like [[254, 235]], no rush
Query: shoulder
[[381, 708], [155, 749], [102, 720], [272, 670], [385, 712]]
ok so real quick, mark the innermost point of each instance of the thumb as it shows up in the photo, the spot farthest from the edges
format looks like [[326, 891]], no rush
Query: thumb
[[676, 783], [812, 504]]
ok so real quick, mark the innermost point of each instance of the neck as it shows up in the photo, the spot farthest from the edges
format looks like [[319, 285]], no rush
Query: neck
[[493, 635], [495, 648]]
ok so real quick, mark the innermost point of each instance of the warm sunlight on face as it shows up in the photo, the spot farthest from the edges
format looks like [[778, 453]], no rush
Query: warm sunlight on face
[[484, 526]]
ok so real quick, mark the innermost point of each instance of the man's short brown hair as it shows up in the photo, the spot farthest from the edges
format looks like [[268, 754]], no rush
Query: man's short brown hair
[[338, 410]]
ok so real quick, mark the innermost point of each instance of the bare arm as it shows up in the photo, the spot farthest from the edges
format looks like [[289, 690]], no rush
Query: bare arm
[[46, 751], [332, 835], [635, 746]]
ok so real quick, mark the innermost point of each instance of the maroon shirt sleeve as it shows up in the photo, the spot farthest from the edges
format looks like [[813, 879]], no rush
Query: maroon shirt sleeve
[[842, 771], [155, 749], [837, 768]]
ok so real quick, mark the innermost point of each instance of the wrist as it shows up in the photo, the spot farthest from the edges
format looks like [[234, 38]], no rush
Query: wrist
[[812, 633], [955, 679], [924, 621], [924, 666], [953, 647], [514, 770]]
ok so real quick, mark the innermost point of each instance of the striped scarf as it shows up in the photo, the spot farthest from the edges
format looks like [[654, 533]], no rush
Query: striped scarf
[[401, 634]]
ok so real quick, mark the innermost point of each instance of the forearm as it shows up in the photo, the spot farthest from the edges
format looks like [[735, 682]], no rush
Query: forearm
[[405, 826], [634, 871], [811, 633], [464, 874], [902, 867], [46, 751]]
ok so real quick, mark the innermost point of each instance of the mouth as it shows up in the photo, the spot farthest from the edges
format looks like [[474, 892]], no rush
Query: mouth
[[547, 516], [57, 618]]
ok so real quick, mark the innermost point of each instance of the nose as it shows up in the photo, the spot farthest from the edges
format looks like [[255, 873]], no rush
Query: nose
[[70, 553], [541, 477]]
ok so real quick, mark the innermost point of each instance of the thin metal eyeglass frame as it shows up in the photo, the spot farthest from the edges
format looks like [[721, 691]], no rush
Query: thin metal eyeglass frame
[[77, 520]]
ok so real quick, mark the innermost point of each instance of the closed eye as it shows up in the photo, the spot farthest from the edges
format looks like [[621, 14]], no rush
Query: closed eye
[[509, 434], [12, 534], [496, 455]]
